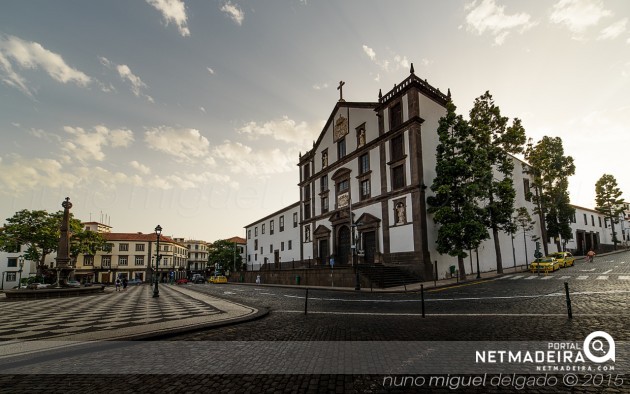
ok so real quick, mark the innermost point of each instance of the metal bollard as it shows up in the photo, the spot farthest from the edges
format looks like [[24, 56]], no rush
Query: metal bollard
[[566, 290], [422, 298], [306, 302]]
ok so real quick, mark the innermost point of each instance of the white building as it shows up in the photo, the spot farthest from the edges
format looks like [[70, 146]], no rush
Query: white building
[[13, 266], [274, 239]]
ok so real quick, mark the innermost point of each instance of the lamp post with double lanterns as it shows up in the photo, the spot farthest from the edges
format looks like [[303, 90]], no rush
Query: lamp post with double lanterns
[[21, 262], [158, 232]]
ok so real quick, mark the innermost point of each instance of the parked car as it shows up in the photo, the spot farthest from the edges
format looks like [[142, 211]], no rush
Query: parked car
[[199, 279], [36, 285], [181, 281], [218, 279], [544, 264], [134, 282], [565, 259], [73, 283]]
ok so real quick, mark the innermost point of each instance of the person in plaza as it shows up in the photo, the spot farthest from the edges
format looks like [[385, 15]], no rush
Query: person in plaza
[[117, 284], [257, 279], [124, 284], [590, 255]]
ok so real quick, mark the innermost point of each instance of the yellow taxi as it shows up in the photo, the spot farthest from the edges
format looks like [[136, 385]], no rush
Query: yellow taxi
[[544, 264], [218, 279], [565, 259]]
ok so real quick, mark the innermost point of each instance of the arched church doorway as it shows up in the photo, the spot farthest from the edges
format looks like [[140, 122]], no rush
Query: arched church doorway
[[343, 246]]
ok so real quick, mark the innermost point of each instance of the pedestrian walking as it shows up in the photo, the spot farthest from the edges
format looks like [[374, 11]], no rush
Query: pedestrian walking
[[117, 284], [257, 279], [590, 255], [124, 283]]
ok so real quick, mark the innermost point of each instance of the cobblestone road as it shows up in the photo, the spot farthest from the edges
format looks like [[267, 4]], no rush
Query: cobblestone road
[[508, 309]]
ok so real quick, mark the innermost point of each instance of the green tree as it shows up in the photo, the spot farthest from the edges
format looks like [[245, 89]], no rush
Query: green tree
[[498, 141], [550, 173], [38, 231], [224, 254], [609, 202], [85, 242], [456, 189]]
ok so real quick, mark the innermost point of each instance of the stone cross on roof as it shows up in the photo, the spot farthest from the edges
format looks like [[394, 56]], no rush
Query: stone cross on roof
[[340, 89]]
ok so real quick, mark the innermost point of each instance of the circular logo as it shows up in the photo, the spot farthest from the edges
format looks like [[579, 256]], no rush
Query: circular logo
[[594, 342]]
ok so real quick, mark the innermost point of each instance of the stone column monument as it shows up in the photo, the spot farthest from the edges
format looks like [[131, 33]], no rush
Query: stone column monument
[[63, 250]]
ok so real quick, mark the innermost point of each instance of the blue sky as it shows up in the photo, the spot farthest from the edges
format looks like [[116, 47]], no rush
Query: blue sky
[[191, 114]]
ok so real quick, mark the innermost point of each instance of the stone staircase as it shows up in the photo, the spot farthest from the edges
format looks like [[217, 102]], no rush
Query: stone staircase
[[387, 276]]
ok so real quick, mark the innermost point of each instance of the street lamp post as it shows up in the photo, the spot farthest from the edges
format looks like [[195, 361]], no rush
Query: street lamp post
[[357, 281], [21, 259], [158, 232]]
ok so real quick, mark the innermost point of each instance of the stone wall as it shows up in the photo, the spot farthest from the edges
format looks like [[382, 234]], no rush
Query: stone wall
[[338, 277]]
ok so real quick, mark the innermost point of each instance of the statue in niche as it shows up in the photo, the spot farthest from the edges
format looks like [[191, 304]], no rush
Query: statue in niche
[[324, 159], [401, 215], [361, 137], [307, 234]]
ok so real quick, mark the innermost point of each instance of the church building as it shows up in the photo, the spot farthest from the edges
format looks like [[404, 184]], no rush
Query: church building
[[363, 190]]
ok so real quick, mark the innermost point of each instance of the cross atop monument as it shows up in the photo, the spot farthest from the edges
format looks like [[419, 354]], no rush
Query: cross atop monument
[[340, 89]]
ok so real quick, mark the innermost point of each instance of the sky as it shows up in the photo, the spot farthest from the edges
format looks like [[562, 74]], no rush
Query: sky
[[191, 114]]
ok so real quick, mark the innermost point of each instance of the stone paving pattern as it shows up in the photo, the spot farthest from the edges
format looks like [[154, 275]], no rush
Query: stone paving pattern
[[598, 304]]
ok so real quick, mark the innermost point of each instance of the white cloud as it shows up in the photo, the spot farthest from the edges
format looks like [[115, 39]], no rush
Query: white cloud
[[299, 134], [180, 143], [578, 15], [320, 87], [369, 51], [242, 159], [140, 167], [124, 72], [614, 30], [234, 12], [32, 55], [173, 11], [19, 175], [46, 136], [487, 16], [86, 146], [397, 60], [136, 83], [12, 78]]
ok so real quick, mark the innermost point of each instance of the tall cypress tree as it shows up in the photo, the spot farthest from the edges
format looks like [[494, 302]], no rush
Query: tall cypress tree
[[498, 141], [456, 189], [550, 171], [609, 202]]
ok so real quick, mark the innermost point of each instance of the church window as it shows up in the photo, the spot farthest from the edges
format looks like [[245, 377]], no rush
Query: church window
[[343, 186], [397, 147], [307, 210], [324, 204], [341, 148], [271, 227], [295, 219], [395, 114], [307, 171], [398, 177], [323, 183], [281, 221], [364, 163], [365, 189], [528, 194]]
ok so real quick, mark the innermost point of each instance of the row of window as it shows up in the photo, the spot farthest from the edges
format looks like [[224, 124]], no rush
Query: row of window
[[272, 226], [289, 247], [106, 261]]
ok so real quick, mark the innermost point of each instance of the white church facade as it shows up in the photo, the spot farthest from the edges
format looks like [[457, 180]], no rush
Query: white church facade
[[363, 190]]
